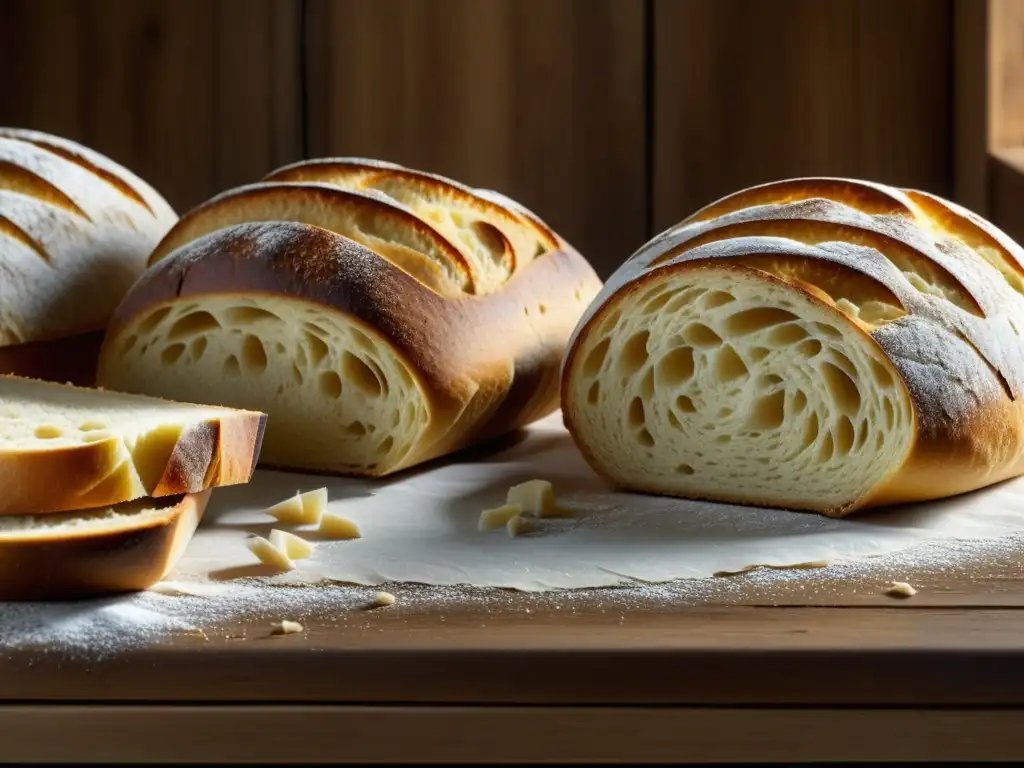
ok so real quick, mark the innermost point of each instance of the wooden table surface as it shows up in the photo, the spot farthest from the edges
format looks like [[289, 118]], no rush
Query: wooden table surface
[[810, 668]]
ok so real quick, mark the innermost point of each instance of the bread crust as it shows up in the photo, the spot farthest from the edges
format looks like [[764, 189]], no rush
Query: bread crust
[[209, 453], [73, 224], [475, 388], [41, 565], [957, 350]]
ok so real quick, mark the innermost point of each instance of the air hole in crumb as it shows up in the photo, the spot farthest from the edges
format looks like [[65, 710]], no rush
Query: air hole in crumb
[[317, 347], [768, 380], [685, 404], [491, 239], [281, 348], [153, 320], [645, 438], [385, 445], [47, 432], [330, 384], [753, 320], [699, 335], [593, 392], [790, 333], [723, 439], [768, 411], [881, 374], [844, 435], [674, 420], [356, 428], [542, 308], [675, 367], [653, 305], [757, 354], [809, 348], [729, 365], [249, 315], [192, 324], [862, 434], [811, 428], [297, 374], [799, 401], [827, 448], [196, 348], [634, 353], [595, 358], [130, 342], [890, 413], [828, 330], [92, 424], [685, 469], [171, 353], [841, 387], [636, 416], [360, 374], [232, 367], [362, 340], [253, 354], [844, 362], [717, 299]]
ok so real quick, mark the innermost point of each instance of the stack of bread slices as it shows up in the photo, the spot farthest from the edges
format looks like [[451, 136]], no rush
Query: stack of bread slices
[[99, 492]]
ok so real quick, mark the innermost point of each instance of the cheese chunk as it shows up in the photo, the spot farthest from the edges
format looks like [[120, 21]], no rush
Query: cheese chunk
[[288, 511], [269, 554], [536, 497], [492, 519], [302, 508], [295, 547], [314, 505], [334, 526], [520, 524]]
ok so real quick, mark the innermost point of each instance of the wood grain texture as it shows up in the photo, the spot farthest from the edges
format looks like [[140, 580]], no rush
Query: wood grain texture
[[542, 100], [331, 734], [971, 101], [750, 92], [192, 95]]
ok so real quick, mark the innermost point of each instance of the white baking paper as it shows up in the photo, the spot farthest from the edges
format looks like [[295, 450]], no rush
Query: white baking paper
[[422, 527]]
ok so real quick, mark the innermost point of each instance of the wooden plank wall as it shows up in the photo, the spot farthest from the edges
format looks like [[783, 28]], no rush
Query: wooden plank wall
[[611, 118]]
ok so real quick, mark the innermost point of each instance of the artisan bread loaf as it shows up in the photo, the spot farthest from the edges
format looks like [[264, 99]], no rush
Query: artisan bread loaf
[[380, 316], [65, 448], [90, 552], [75, 232], [818, 344]]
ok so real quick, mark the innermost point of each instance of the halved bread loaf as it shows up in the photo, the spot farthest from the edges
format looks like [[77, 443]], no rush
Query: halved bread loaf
[[91, 552], [65, 448], [819, 344], [75, 232], [382, 319]]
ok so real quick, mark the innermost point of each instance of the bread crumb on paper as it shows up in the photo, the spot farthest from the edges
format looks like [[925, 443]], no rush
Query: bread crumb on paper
[[268, 554], [900, 589], [537, 499], [286, 627], [383, 599], [294, 547]]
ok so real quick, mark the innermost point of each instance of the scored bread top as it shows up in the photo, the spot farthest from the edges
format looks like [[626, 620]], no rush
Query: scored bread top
[[72, 223], [64, 447], [876, 253], [451, 238]]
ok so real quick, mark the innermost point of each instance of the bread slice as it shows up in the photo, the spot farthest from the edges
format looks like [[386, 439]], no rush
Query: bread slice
[[818, 344], [91, 552], [371, 327], [75, 232], [65, 448]]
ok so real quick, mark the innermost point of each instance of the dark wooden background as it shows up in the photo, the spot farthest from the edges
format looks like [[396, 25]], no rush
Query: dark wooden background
[[612, 118]]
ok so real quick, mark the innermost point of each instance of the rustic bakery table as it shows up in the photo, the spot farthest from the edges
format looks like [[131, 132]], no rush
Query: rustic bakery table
[[807, 669]]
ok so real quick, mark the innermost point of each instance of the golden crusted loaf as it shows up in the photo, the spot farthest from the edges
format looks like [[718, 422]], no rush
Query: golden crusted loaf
[[75, 231], [820, 344], [381, 316]]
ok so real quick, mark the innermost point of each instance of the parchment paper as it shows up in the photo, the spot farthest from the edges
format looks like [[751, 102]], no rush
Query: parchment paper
[[422, 527]]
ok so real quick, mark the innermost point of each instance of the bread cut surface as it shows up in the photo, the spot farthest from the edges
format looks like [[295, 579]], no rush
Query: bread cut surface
[[64, 448], [91, 552], [375, 337], [75, 232], [818, 344]]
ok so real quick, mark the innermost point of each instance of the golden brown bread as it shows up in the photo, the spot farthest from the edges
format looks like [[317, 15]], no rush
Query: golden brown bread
[[75, 231], [821, 344], [378, 325], [92, 552]]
